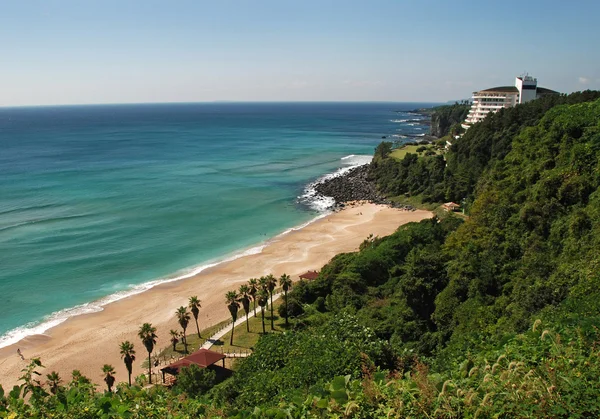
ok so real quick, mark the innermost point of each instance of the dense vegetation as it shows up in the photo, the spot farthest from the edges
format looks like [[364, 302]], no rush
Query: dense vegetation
[[493, 316], [455, 177], [445, 119]]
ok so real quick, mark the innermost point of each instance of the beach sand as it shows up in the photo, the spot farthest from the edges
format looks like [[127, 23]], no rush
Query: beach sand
[[87, 342]]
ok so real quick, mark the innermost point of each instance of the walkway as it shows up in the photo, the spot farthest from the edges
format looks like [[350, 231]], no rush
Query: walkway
[[219, 334]]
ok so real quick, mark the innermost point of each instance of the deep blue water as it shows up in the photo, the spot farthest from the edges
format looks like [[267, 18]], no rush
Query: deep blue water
[[96, 200]]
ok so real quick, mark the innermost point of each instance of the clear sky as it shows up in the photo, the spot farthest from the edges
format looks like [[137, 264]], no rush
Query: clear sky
[[114, 51]]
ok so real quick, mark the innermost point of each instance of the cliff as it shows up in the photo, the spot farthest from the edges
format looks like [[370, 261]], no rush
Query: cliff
[[444, 117]]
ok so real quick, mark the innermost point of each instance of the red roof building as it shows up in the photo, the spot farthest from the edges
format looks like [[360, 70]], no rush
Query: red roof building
[[309, 275], [203, 358]]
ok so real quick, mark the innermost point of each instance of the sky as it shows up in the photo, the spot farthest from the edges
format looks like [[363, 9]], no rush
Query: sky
[[130, 51]]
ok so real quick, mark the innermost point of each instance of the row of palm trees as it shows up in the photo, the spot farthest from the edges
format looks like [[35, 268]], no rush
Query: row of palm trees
[[258, 290]]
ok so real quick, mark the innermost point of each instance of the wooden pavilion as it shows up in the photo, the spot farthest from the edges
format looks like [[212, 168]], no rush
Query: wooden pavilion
[[203, 358]]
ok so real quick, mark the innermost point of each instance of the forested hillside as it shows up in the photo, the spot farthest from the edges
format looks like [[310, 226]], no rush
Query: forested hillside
[[455, 176], [493, 316]]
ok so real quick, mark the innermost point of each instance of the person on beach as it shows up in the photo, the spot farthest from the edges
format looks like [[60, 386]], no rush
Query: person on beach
[[20, 354]]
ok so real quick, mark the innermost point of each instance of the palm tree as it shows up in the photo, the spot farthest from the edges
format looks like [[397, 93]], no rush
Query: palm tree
[[271, 284], [174, 338], [147, 334], [263, 299], [53, 381], [253, 285], [245, 299], [194, 306], [183, 317], [231, 299], [109, 378], [128, 355], [286, 283], [78, 378]]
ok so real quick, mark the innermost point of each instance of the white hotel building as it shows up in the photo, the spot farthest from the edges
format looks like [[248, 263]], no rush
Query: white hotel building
[[496, 98]]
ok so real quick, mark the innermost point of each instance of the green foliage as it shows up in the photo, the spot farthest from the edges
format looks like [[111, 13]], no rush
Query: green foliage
[[444, 119], [530, 239], [433, 320], [455, 176], [195, 381], [287, 364]]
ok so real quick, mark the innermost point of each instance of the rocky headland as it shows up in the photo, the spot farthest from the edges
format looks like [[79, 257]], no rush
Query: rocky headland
[[352, 187]]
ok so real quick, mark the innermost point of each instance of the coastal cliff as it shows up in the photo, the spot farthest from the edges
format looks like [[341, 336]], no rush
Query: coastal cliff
[[444, 117]]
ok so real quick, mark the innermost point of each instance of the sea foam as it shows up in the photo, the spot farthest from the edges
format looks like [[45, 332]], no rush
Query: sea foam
[[321, 204], [39, 328], [311, 198]]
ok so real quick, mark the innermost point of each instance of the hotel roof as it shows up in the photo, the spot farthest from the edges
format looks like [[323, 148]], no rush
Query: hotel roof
[[503, 89]]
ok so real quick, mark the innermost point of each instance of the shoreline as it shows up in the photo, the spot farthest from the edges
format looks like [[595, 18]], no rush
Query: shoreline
[[59, 317], [87, 341]]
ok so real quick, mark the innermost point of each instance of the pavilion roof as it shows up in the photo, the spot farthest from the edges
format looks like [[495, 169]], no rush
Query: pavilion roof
[[310, 275], [203, 358]]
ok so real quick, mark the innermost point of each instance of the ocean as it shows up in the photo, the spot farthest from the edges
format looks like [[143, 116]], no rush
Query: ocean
[[100, 202]]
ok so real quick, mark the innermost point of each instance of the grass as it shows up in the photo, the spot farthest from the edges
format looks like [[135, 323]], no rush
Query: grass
[[244, 340], [401, 152], [194, 342], [417, 202]]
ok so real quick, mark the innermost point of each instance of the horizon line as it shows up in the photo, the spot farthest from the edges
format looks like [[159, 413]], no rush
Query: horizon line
[[215, 102]]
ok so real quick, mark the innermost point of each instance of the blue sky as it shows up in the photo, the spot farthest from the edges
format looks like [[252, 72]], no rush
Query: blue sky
[[80, 51]]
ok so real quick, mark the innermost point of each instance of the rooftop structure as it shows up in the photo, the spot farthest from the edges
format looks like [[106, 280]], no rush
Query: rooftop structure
[[203, 358], [310, 275], [496, 98], [450, 206]]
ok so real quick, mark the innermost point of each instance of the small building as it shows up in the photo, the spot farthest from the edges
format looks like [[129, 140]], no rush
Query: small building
[[309, 275], [450, 206], [203, 358]]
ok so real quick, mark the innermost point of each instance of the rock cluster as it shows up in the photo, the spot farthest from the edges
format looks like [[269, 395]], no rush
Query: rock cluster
[[352, 186]]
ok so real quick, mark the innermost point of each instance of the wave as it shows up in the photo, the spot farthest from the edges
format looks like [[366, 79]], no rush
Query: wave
[[38, 328], [43, 221], [323, 204], [401, 121]]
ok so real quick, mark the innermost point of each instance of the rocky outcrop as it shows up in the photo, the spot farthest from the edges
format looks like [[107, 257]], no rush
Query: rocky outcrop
[[354, 185]]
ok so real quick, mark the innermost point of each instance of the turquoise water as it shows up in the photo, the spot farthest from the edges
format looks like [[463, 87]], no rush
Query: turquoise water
[[97, 200]]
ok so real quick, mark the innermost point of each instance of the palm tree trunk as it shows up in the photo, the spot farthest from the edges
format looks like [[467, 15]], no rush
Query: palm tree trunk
[[247, 326], [272, 320], [286, 310], [231, 337], [263, 319], [254, 299], [129, 373], [198, 329], [184, 343], [149, 369]]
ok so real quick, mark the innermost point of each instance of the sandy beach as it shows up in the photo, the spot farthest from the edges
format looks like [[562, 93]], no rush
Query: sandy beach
[[86, 342]]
